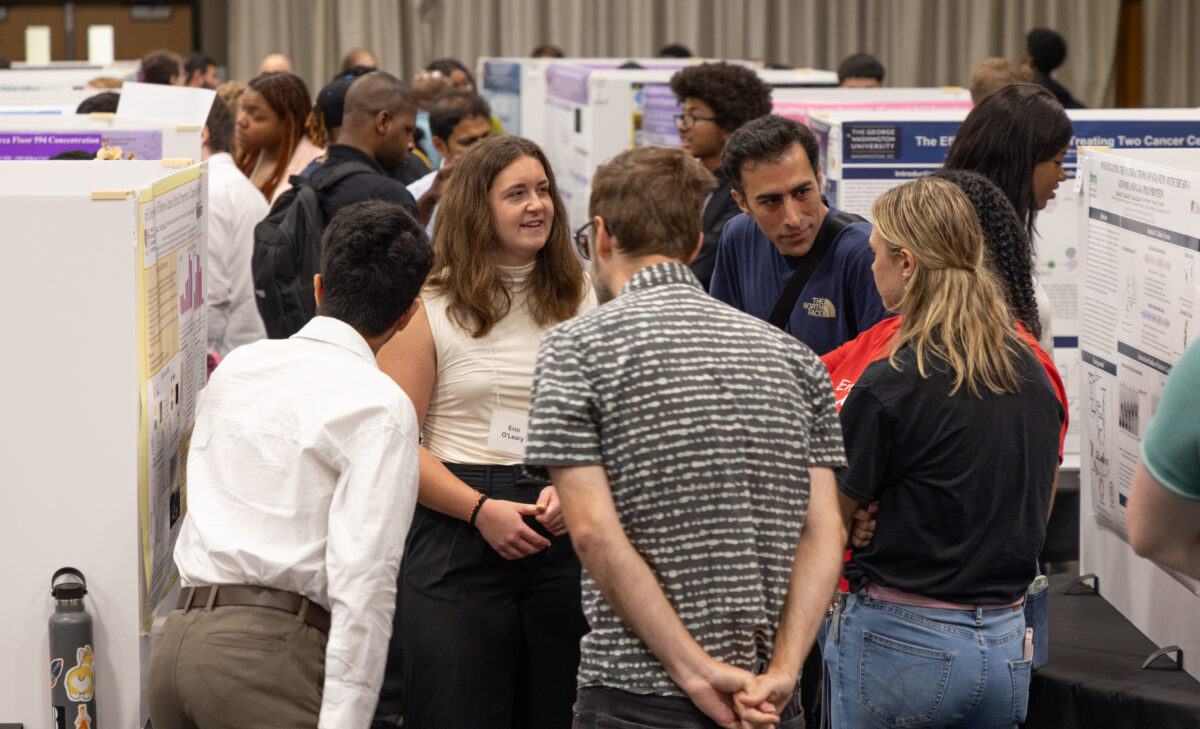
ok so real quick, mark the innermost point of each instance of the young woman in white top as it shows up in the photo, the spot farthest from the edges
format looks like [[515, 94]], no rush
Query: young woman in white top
[[489, 606]]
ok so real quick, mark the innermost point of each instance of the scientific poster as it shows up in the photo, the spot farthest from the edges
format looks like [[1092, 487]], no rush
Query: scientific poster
[[1138, 313], [566, 144], [658, 116], [172, 224], [862, 160], [501, 86], [18, 145], [1057, 236]]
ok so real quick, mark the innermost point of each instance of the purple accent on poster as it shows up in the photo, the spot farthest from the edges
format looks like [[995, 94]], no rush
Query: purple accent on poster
[[568, 82], [658, 118], [44, 145]]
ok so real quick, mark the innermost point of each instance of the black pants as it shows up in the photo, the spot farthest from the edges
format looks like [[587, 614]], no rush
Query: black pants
[[600, 708], [488, 643]]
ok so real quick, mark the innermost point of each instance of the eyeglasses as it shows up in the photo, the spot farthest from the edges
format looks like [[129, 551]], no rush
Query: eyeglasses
[[687, 121], [583, 238]]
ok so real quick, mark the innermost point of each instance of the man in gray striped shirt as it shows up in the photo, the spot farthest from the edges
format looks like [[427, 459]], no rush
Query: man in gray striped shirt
[[693, 447]]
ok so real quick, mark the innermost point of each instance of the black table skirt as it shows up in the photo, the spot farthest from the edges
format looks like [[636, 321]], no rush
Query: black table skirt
[[1094, 678]]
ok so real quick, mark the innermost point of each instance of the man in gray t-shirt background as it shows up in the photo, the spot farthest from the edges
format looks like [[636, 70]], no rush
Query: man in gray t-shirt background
[[693, 447]]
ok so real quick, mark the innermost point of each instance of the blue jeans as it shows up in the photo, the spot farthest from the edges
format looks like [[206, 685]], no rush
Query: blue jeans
[[892, 665]]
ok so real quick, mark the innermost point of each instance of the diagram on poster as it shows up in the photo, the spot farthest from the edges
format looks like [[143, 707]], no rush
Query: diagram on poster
[[171, 234], [1138, 298]]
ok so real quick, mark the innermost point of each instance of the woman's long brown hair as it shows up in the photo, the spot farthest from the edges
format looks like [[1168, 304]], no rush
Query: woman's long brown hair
[[465, 244], [288, 97]]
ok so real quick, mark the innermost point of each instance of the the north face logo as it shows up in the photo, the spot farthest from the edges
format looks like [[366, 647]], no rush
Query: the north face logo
[[823, 308]]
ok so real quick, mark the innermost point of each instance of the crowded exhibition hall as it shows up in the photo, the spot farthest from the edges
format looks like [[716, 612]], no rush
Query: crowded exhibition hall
[[571, 364]]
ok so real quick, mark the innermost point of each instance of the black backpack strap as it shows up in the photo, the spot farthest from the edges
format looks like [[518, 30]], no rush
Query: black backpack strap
[[830, 228], [339, 173]]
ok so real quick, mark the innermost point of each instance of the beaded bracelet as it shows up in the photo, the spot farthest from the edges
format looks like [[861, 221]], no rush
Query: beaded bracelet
[[475, 511]]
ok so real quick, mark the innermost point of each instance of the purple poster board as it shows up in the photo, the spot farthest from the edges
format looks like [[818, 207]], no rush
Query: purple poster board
[[567, 82], [658, 117], [19, 145]]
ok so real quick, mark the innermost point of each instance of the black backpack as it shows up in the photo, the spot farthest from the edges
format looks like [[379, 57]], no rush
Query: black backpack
[[287, 252]]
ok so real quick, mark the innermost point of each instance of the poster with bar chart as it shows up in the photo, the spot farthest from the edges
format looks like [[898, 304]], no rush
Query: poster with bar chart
[[172, 228]]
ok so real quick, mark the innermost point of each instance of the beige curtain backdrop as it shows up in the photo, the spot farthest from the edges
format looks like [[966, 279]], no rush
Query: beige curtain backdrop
[[1171, 70], [921, 42]]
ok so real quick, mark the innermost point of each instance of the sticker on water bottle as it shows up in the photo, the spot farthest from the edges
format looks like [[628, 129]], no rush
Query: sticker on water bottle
[[56, 667], [80, 681], [507, 432]]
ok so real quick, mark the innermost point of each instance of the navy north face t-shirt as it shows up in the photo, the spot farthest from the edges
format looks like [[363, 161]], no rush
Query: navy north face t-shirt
[[838, 303]]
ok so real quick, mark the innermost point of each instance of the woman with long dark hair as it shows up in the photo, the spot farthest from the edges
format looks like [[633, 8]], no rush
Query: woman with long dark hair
[[931, 631], [271, 140], [490, 591], [1017, 138]]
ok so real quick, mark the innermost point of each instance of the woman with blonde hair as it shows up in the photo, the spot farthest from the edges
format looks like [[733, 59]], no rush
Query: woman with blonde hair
[[931, 633], [489, 613]]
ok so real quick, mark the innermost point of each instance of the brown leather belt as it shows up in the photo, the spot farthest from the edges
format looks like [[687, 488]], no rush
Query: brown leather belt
[[256, 596]]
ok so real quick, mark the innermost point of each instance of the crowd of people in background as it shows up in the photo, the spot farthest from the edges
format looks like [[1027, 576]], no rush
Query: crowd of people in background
[[624, 464]]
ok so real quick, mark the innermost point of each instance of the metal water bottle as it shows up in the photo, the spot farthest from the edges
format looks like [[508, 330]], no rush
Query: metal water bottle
[[72, 656]]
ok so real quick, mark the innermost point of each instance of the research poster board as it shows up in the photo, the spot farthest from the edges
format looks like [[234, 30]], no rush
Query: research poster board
[[797, 99], [1140, 237], [863, 154], [62, 78], [590, 116], [593, 113], [65, 100], [28, 138], [797, 103], [500, 81], [516, 87], [866, 153], [72, 454], [32, 144], [172, 254]]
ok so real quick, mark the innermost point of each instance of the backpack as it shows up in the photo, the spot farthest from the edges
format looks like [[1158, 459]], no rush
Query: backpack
[[287, 252]]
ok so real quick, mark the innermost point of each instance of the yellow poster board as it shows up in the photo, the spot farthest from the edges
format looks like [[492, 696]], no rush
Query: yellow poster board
[[173, 361]]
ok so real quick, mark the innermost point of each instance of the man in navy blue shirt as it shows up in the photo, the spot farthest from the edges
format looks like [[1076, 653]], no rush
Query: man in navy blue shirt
[[772, 162]]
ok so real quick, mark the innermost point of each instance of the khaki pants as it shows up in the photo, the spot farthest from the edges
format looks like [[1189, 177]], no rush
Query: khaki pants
[[236, 667]]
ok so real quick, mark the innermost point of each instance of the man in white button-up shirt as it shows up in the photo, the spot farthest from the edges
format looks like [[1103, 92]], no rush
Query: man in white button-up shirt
[[302, 479]]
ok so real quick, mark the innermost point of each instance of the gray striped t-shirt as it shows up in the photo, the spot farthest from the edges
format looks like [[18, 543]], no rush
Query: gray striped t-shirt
[[706, 420]]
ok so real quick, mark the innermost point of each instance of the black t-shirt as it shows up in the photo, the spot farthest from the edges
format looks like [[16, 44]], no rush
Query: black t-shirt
[[718, 210], [963, 482], [357, 188]]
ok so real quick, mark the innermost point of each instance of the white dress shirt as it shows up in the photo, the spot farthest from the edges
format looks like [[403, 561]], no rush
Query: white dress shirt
[[235, 206], [302, 476]]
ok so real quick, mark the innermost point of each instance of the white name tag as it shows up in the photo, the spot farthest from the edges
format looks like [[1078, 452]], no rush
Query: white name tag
[[507, 433]]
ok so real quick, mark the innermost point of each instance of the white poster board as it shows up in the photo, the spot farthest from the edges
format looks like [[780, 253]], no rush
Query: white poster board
[[61, 77], [797, 103], [71, 457], [1140, 237], [593, 113]]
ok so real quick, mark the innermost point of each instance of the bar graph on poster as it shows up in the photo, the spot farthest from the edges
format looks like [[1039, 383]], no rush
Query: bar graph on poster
[[1138, 302], [171, 236]]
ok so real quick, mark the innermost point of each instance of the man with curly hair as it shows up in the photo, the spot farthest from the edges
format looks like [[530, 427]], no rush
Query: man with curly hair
[[717, 98]]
